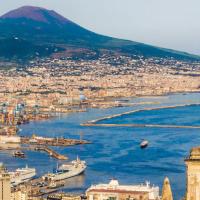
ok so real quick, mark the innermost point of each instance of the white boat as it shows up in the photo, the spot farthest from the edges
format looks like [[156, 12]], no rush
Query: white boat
[[67, 170], [144, 144], [22, 175]]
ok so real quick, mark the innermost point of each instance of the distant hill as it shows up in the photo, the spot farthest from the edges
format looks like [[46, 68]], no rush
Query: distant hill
[[29, 32]]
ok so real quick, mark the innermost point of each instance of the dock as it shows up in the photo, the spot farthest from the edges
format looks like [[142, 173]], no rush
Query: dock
[[38, 143], [37, 140], [45, 149], [38, 187]]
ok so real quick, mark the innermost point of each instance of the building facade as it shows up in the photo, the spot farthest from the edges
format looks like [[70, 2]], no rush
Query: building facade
[[19, 194], [5, 186], [114, 191], [63, 197], [193, 175]]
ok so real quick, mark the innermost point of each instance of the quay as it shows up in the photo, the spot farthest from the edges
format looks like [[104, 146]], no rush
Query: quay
[[38, 187], [45, 192], [38, 140]]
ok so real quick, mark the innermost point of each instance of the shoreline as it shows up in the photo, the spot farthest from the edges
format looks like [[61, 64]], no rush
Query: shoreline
[[163, 95]]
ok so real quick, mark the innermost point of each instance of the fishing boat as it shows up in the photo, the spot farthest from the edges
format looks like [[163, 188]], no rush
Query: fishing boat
[[19, 154]]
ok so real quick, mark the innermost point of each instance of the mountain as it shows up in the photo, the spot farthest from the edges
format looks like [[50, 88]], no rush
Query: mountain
[[46, 26], [36, 14], [29, 32]]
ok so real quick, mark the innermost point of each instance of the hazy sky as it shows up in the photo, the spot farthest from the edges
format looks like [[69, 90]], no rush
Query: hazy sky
[[166, 23]]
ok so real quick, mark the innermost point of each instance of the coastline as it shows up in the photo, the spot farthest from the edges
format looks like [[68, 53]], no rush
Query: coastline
[[112, 153], [109, 102]]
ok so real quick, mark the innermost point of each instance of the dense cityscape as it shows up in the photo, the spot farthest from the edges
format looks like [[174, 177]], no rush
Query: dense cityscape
[[62, 81], [44, 87]]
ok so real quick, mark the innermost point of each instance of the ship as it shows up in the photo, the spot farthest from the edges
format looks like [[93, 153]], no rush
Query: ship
[[67, 170], [22, 175]]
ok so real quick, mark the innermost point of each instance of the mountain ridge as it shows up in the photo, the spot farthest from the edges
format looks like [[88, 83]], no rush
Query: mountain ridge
[[43, 27]]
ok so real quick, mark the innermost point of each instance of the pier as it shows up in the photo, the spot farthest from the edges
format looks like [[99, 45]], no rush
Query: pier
[[52, 153], [38, 143], [46, 149]]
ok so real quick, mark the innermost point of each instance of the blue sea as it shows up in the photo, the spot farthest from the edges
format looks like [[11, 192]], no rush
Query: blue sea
[[115, 151]]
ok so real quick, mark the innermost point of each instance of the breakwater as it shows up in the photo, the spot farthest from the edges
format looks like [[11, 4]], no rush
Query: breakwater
[[143, 125], [96, 121]]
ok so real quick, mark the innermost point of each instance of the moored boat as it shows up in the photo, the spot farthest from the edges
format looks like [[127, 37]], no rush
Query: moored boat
[[22, 175], [67, 170]]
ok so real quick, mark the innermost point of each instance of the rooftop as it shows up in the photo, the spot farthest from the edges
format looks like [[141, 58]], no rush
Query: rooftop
[[114, 186]]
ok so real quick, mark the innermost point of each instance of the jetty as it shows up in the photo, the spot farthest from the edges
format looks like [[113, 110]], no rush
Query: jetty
[[46, 149], [52, 153]]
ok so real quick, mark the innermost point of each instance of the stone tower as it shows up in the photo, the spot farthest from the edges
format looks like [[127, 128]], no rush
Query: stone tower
[[5, 187], [193, 175], [166, 190]]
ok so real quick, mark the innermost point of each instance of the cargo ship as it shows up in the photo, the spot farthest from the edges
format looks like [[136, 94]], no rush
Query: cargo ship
[[67, 170]]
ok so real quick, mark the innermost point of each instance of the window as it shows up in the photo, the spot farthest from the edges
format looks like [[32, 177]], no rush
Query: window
[[112, 198]]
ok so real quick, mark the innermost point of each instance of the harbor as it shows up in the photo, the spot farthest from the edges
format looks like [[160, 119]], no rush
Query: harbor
[[99, 100], [115, 148], [47, 183]]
